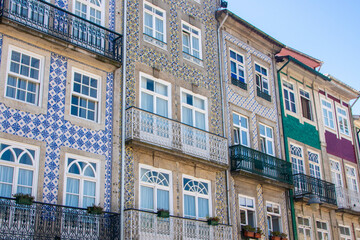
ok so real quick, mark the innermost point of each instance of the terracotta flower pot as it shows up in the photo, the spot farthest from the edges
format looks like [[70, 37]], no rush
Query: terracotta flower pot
[[257, 235], [284, 239], [249, 234], [275, 238]]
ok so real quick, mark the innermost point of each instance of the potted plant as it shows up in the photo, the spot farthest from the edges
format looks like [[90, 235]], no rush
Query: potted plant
[[283, 236], [21, 198], [213, 221], [275, 235], [163, 213], [258, 233], [248, 231], [95, 209]]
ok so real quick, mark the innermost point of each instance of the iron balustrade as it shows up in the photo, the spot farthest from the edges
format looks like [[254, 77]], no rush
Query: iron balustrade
[[347, 199], [140, 224], [50, 221], [305, 185], [167, 133], [59, 23], [250, 160]]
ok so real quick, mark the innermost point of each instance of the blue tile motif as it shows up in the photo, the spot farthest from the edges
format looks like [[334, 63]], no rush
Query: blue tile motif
[[53, 129]]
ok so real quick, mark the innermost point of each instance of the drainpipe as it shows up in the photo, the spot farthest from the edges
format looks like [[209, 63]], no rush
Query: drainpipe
[[123, 106], [293, 217], [355, 134], [223, 102]]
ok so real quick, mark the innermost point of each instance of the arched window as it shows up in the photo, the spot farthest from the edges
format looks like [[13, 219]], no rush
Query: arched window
[[155, 187], [196, 198], [18, 165], [81, 184]]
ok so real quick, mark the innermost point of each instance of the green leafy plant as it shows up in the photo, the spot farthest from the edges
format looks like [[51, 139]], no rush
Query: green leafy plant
[[248, 228], [163, 213], [213, 221], [21, 198], [275, 234], [95, 209], [259, 231], [283, 236]]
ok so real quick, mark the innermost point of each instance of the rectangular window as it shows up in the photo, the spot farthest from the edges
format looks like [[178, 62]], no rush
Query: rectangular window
[[328, 115], [196, 198], [273, 217], [18, 169], [85, 96], [322, 230], [154, 22], [306, 104], [90, 10], [247, 211], [336, 174], [191, 39], [289, 97], [343, 121], [237, 68], [351, 177], [241, 130], [266, 140], [314, 165], [262, 82], [304, 228], [193, 109], [345, 233], [155, 188], [297, 159], [24, 75], [82, 177]]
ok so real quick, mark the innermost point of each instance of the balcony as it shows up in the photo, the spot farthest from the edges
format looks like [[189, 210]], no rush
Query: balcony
[[348, 199], [53, 21], [306, 185], [146, 225], [49, 221], [259, 163], [166, 133]]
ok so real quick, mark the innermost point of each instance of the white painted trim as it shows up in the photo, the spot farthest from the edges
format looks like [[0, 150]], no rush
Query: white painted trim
[[191, 36], [332, 110], [238, 63], [352, 177], [267, 138], [154, 15], [262, 77], [248, 208], [89, 4], [242, 129]]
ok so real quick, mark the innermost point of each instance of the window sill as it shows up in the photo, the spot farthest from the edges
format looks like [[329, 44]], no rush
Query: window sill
[[193, 59], [155, 42], [263, 95], [239, 83]]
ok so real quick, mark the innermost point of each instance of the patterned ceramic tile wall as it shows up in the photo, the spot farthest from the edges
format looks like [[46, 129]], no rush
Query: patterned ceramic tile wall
[[221, 205], [56, 132], [129, 193], [260, 209], [284, 213], [250, 103]]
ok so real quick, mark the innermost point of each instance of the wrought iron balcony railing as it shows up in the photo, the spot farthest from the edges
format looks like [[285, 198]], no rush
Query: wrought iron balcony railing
[[146, 225], [348, 199], [170, 134], [250, 160], [49, 221], [56, 22], [306, 185]]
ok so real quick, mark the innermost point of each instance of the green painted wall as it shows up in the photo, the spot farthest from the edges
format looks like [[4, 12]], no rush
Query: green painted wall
[[305, 133]]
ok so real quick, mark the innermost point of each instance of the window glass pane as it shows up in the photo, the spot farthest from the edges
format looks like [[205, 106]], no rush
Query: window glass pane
[[88, 201], [147, 102], [251, 218], [203, 205], [6, 180], [25, 177], [187, 116], [147, 198], [72, 185], [89, 188], [163, 199], [189, 206]]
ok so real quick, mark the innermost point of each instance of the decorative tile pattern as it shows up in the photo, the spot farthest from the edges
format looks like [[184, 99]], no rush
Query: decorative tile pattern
[[250, 103], [260, 209], [234, 208], [64, 4], [129, 178], [112, 15], [284, 214], [220, 197], [57, 132]]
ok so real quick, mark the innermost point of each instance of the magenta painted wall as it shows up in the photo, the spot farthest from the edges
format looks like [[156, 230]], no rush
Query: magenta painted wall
[[342, 148]]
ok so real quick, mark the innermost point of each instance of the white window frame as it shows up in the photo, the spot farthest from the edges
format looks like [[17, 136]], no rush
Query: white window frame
[[288, 89], [329, 112], [156, 186], [267, 139], [246, 209], [305, 227], [89, 5], [196, 195], [342, 236], [336, 173], [39, 82], [296, 166], [192, 35], [302, 95], [238, 65], [351, 178], [154, 16], [81, 178], [193, 108], [313, 164], [321, 230], [263, 78], [341, 118], [238, 129], [17, 165], [154, 94], [80, 95], [272, 214]]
